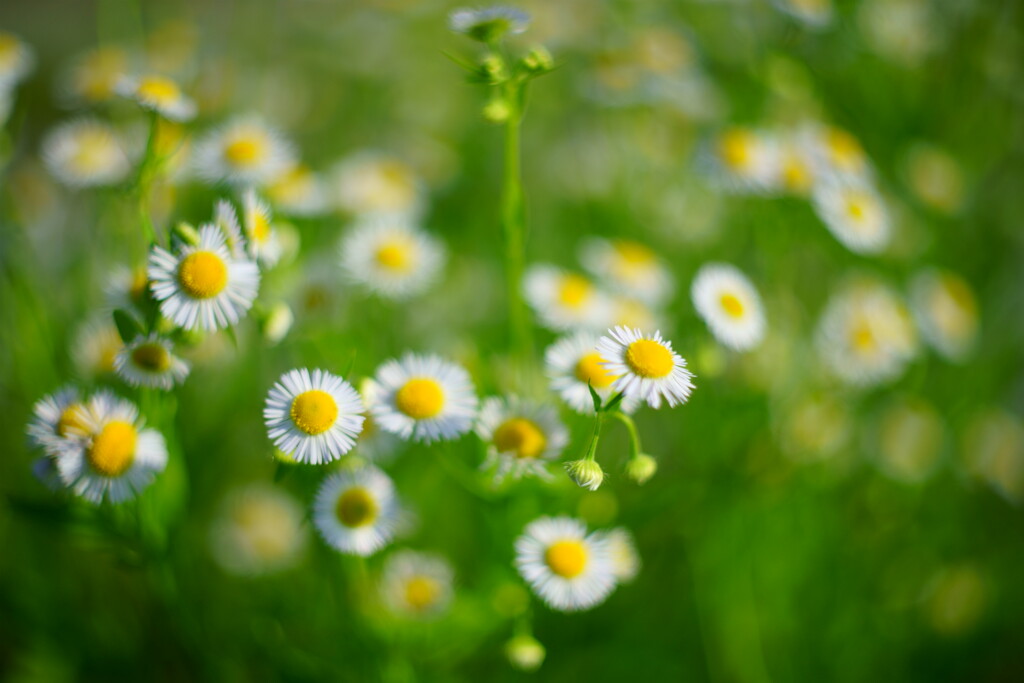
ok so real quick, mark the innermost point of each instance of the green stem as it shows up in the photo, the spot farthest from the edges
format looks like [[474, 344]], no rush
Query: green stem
[[513, 220], [144, 180], [634, 435], [592, 449]]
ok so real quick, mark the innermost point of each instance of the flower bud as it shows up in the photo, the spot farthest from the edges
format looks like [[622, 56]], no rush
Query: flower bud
[[277, 323], [492, 70], [187, 233], [525, 652], [641, 467], [497, 111], [538, 60], [586, 473]]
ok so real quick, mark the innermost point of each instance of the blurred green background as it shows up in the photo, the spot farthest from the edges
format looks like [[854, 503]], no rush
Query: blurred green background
[[766, 556]]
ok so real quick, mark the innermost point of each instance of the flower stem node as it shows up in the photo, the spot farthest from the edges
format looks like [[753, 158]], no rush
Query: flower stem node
[[187, 233], [493, 70], [525, 652], [641, 468], [586, 473], [497, 111]]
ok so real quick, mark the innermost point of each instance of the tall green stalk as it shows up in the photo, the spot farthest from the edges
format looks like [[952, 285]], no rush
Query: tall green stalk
[[513, 220]]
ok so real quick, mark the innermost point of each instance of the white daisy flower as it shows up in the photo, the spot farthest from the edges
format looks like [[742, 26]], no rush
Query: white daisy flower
[[565, 300], [854, 213], [423, 398], [645, 366], [226, 219], [569, 569], [244, 151], [390, 257], [85, 153], [297, 191], [92, 77], [629, 267], [865, 334], [95, 346], [16, 60], [743, 160], [489, 23], [58, 421], [622, 549], [261, 237], [202, 287], [259, 529], [946, 311], [374, 183], [795, 171], [417, 584], [159, 94], [835, 153], [357, 511], [521, 436], [150, 362], [118, 458], [313, 417], [729, 304], [572, 363]]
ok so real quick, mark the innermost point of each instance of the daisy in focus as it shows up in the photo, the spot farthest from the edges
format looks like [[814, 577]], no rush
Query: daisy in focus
[[201, 286], [865, 334], [244, 151], [58, 421], [117, 457], [85, 153], [521, 436], [645, 367], [259, 530], [158, 94], [150, 362], [314, 417], [729, 304], [855, 214], [260, 235], [572, 364], [390, 257], [417, 584], [946, 311], [629, 267], [357, 511], [569, 569], [16, 60], [374, 183], [423, 398], [565, 300]]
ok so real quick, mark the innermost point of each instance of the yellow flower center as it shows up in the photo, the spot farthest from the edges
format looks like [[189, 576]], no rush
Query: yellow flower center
[[159, 90], [421, 592], [202, 274], [863, 338], [93, 152], [356, 507], [634, 254], [856, 208], [8, 49], [113, 449], [732, 305], [649, 358], [394, 256], [566, 558], [574, 291], [71, 420], [420, 398], [735, 148], [844, 147], [795, 175], [245, 151], [139, 283], [151, 357], [100, 73], [314, 411], [260, 226], [520, 435], [589, 369]]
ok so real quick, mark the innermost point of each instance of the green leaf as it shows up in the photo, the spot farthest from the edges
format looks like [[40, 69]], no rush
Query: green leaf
[[612, 404], [128, 326], [595, 398]]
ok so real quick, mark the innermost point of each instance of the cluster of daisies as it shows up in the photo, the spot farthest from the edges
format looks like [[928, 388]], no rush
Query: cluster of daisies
[[627, 284], [824, 163]]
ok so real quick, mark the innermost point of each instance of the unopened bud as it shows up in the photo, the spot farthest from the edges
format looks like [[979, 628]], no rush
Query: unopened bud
[[497, 111], [525, 652], [641, 468], [538, 60], [586, 473], [187, 233]]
